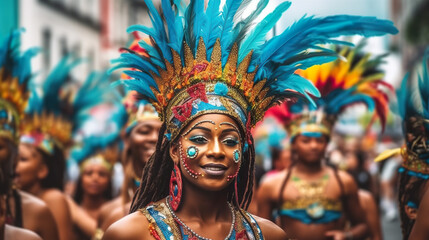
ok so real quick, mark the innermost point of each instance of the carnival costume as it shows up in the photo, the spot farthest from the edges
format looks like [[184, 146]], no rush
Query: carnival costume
[[15, 75], [212, 61], [413, 108], [353, 79]]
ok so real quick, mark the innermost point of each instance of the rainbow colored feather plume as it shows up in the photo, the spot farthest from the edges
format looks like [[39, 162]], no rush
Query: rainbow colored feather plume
[[354, 78], [226, 58]]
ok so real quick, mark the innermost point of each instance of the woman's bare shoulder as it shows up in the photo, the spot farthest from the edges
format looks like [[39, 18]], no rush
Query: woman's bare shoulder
[[134, 226], [12, 232], [270, 230]]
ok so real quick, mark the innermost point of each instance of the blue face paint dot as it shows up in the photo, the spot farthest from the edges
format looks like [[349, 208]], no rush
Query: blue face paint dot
[[192, 152], [236, 155]]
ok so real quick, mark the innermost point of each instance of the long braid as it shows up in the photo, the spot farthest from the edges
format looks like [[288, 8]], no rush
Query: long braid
[[409, 190], [250, 176]]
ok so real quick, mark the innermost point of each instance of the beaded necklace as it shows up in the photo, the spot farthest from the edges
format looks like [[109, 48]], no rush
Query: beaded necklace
[[192, 231]]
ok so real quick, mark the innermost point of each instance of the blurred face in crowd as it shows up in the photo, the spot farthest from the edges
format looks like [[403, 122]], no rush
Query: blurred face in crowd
[[283, 161], [309, 149], [6, 150], [30, 168], [95, 179], [142, 142]]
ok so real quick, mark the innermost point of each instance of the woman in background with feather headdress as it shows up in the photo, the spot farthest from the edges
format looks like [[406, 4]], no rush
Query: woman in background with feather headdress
[[312, 199], [17, 208], [414, 172]]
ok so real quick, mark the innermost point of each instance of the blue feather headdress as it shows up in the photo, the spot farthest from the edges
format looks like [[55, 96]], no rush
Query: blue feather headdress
[[51, 117], [211, 60], [97, 137], [413, 103], [15, 74]]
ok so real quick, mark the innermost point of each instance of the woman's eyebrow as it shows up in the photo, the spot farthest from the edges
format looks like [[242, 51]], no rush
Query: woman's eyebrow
[[196, 126], [202, 128], [230, 124], [230, 130]]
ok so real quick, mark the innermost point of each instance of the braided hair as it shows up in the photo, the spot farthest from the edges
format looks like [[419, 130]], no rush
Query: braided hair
[[155, 183], [410, 189]]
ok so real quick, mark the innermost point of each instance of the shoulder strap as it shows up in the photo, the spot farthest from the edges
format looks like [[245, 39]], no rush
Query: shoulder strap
[[160, 229], [340, 183], [283, 186]]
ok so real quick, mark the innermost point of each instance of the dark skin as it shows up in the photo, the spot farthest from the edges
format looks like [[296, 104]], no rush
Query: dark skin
[[141, 143], [204, 205], [30, 170], [35, 214], [309, 152], [420, 229], [369, 205]]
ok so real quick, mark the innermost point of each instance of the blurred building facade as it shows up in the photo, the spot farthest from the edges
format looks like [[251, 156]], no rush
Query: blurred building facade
[[93, 30]]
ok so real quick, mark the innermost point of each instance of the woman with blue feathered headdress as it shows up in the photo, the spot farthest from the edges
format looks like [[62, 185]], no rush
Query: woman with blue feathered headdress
[[211, 76], [18, 209], [413, 97], [95, 153], [139, 136], [44, 139]]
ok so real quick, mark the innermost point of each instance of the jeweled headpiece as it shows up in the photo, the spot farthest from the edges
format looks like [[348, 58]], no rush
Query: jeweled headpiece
[[15, 73], [413, 103], [214, 61], [352, 79]]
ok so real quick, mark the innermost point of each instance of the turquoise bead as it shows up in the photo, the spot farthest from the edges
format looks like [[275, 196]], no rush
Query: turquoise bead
[[192, 151], [236, 155]]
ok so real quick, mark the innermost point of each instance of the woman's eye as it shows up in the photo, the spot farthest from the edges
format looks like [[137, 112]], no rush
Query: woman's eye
[[198, 139], [230, 142]]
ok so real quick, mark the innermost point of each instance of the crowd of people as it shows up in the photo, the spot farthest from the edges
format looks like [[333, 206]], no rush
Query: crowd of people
[[215, 132]]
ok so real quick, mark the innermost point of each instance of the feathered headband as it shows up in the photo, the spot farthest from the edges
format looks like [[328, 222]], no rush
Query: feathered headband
[[15, 74], [413, 105], [352, 79], [212, 61]]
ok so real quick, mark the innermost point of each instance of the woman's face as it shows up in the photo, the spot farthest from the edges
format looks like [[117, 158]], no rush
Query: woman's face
[[309, 149], [5, 150], [30, 167], [209, 151], [95, 179], [143, 139]]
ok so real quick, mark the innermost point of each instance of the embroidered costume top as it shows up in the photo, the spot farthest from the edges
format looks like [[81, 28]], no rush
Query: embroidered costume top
[[163, 225], [311, 206]]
